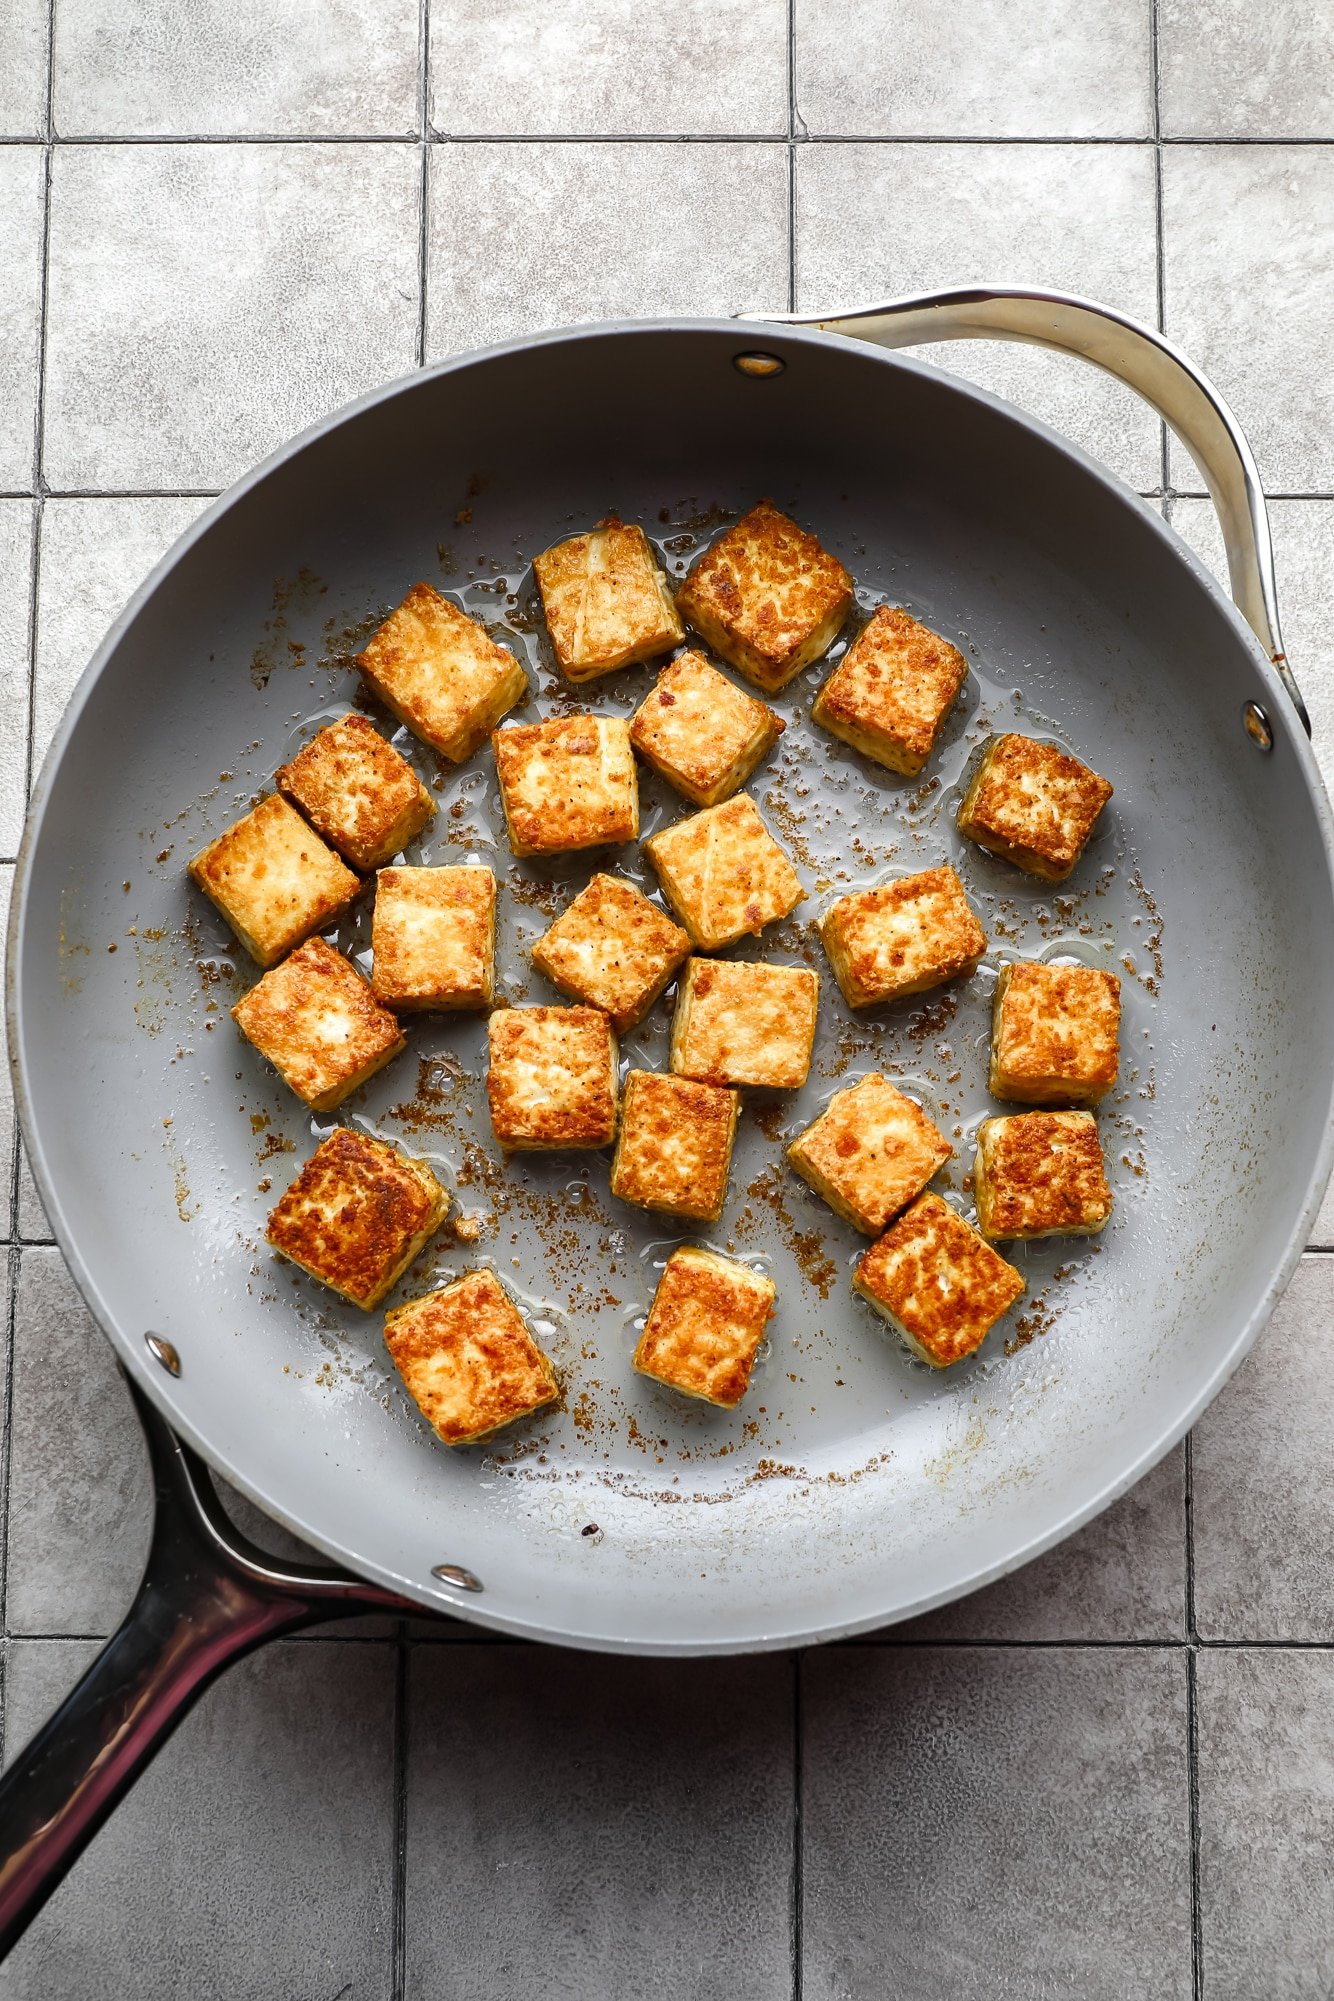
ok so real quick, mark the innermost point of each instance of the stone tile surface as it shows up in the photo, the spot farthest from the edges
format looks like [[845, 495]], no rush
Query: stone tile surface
[[1229, 70], [16, 519], [22, 180], [23, 49]]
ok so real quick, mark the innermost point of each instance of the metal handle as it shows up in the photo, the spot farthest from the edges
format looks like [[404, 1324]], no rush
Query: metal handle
[[208, 1596], [1140, 357]]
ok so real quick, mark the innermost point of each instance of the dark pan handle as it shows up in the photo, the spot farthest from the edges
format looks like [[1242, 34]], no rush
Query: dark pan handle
[[208, 1596], [1140, 357]]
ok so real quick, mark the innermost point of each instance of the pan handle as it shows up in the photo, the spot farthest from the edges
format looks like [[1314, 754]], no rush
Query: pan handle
[[208, 1596], [1140, 357]]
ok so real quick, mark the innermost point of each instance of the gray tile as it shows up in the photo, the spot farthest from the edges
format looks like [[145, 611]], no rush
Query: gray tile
[[606, 1828], [23, 48], [15, 597], [22, 193], [254, 1859], [993, 1823], [207, 301], [33, 1226], [7, 1128], [881, 220], [1231, 70]]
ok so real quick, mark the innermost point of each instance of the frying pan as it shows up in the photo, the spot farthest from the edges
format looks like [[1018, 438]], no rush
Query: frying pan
[[854, 1488]]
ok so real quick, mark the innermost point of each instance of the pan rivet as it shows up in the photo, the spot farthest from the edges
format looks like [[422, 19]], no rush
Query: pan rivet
[[454, 1573], [163, 1351], [1257, 726], [759, 364]]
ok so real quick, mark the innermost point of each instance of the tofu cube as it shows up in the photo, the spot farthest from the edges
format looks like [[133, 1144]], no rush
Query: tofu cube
[[937, 1282], [613, 949], [902, 938], [468, 1360], [1055, 1034], [741, 1023], [552, 1079], [674, 1153], [433, 935], [274, 880], [357, 1215], [703, 733], [319, 1024], [567, 783], [442, 674], [766, 597], [724, 874], [1033, 804], [892, 690], [606, 601], [869, 1152], [705, 1326], [1041, 1174], [358, 792]]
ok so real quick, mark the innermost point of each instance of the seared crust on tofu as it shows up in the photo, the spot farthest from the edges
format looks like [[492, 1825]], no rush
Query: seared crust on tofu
[[705, 1326], [567, 783], [741, 1023], [892, 690], [274, 880], [442, 673], [467, 1359], [1033, 804], [902, 938], [1041, 1174], [358, 792], [674, 1153], [1055, 1034], [767, 597], [606, 601], [433, 935], [935, 1280], [319, 1024], [613, 949], [703, 733], [869, 1152], [724, 874], [357, 1215], [552, 1080]]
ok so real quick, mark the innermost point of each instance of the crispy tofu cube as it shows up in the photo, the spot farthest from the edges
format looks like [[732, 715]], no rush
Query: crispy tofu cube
[[553, 1078], [674, 1153], [724, 874], [274, 880], [1041, 1174], [902, 938], [937, 1282], [892, 690], [869, 1152], [1033, 804], [442, 673], [567, 783], [357, 1215], [319, 1024], [705, 1326], [766, 597], [433, 935], [358, 792], [741, 1023], [613, 949], [606, 601], [468, 1360], [703, 733], [1055, 1034]]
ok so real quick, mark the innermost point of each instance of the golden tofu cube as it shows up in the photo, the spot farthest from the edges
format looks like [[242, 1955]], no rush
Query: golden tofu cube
[[606, 601], [674, 1153], [319, 1024], [442, 674], [937, 1282], [703, 733], [766, 597], [567, 783], [741, 1023], [274, 880], [869, 1152], [358, 792], [1033, 804], [902, 938], [552, 1081], [357, 1215], [433, 935], [705, 1326], [468, 1360], [1055, 1034], [1041, 1174], [892, 690], [613, 949], [724, 874]]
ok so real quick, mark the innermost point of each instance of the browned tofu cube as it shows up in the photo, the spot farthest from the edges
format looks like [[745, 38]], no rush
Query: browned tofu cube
[[442, 673], [358, 792], [434, 937], [613, 949], [892, 690], [567, 783], [274, 880], [319, 1024], [1033, 804], [1055, 1034], [1041, 1174], [869, 1152], [741, 1023], [357, 1215], [606, 601], [674, 1153], [468, 1360], [766, 597], [703, 733], [902, 938], [553, 1078], [724, 874], [705, 1326], [937, 1282]]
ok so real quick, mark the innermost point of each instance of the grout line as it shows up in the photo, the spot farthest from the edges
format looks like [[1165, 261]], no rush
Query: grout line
[[1160, 279], [988, 139], [1192, 1727], [798, 1836], [423, 121], [792, 155], [398, 1949]]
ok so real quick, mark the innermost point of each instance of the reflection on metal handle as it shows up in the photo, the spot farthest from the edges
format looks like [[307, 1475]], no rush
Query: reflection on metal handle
[[1186, 400]]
